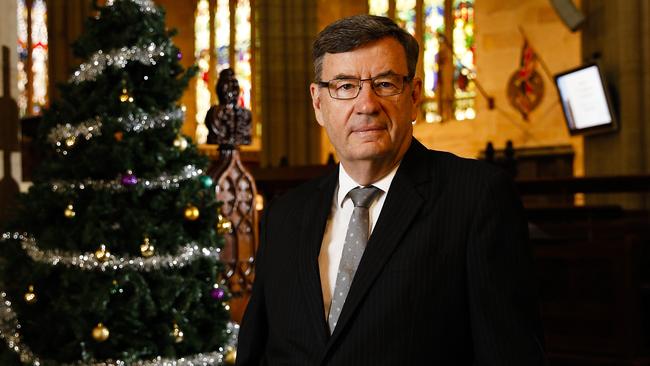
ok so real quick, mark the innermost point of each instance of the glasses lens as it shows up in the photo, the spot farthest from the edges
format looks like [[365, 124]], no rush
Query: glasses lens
[[344, 88], [388, 85]]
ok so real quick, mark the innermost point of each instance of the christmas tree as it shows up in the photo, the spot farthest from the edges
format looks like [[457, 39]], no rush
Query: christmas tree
[[112, 257]]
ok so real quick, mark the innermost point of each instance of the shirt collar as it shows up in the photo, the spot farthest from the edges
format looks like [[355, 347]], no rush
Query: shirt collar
[[346, 183]]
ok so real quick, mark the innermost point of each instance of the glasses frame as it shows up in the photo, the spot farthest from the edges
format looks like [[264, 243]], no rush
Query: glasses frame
[[326, 84]]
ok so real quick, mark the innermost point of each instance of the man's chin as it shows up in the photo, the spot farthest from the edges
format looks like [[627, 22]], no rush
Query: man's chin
[[369, 151]]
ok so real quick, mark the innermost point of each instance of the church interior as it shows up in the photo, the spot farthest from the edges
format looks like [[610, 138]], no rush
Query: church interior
[[498, 87]]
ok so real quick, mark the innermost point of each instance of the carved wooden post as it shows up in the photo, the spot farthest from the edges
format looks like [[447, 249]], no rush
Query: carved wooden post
[[229, 126], [8, 140]]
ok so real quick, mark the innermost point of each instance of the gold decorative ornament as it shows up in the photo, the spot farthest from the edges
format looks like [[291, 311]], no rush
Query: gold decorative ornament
[[177, 333], [191, 212], [180, 143], [100, 333], [146, 248], [125, 95], [224, 226], [70, 141], [119, 135], [230, 355], [69, 211], [102, 254], [30, 295]]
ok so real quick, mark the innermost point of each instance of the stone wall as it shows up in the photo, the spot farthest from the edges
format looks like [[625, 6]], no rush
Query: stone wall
[[617, 35], [498, 47]]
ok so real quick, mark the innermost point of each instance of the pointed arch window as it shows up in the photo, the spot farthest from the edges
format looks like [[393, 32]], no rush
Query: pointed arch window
[[445, 32], [32, 51], [223, 35]]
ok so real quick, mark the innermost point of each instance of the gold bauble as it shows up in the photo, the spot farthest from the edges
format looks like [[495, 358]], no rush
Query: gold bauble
[[119, 135], [125, 96], [180, 143], [100, 333], [177, 333], [231, 355], [102, 254], [191, 212], [70, 141], [69, 211], [146, 249], [224, 226], [30, 295]]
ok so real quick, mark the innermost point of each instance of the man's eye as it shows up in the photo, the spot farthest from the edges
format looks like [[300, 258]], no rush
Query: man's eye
[[384, 85], [345, 86]]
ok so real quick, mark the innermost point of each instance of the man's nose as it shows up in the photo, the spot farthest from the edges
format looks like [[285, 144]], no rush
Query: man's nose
[[367, 102]]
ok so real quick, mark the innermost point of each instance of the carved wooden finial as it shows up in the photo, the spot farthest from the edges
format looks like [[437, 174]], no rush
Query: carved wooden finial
[[229, 124]]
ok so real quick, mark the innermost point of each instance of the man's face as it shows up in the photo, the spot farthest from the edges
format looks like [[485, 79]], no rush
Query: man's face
[[368, 127]]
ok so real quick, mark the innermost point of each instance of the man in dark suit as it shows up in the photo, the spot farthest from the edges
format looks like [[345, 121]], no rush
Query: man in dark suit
[[431, 266]]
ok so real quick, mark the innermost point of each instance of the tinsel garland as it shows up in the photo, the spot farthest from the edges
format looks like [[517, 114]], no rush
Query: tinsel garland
[[88, 261], [146, 6], [89, 71], [65, 135], [10, 332], [164, 181]]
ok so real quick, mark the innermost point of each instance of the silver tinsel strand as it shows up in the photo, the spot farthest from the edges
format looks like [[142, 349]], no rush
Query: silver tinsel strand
[[10, 332], [89, 262], [64, 136], [164, 181], [146, 6], [142, 121], [99, 61]]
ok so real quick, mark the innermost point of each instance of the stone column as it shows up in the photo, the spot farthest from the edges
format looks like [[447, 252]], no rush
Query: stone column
[[617, 35], [286, 30]]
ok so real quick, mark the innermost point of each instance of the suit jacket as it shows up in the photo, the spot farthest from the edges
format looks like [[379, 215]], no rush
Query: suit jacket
[[445, 279]]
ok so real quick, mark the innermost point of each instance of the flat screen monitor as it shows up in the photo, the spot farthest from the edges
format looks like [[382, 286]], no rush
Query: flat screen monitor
[[585, 100]]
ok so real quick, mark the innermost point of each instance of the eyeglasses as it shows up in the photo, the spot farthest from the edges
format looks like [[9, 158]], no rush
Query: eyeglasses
[[349, 88]]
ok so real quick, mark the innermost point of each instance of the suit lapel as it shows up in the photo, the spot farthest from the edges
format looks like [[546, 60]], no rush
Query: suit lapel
[[405, 197], [312, 228]]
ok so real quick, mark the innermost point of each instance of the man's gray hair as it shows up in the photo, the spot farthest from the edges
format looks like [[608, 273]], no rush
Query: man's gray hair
[[352, 32]]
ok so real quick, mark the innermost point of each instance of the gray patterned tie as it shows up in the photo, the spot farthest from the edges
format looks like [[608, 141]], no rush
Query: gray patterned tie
[[355, 243]]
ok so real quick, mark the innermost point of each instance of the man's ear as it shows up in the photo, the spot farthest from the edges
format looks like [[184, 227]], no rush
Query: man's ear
[[416, 97], [316, 102]]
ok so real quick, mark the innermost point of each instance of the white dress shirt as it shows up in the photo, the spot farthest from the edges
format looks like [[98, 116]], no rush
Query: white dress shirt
[[337, 226]]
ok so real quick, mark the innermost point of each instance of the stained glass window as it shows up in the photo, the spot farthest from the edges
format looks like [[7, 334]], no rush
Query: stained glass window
[[460, 26], [434, 24], [32, 56], [222, 35], [243, 51], [23, 55], [232, 48], [378, 7], [202, 54], [405, 14], [464, 65]]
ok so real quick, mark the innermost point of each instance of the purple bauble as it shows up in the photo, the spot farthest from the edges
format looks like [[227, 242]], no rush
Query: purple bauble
[[129, 180], [217, 293], [179, 55]]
